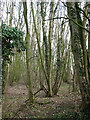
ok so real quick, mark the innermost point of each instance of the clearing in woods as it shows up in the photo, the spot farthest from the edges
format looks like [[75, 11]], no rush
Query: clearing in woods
[[15, 104]]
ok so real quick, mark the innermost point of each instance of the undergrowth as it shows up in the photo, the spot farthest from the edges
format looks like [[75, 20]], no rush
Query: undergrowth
[[68, 115]]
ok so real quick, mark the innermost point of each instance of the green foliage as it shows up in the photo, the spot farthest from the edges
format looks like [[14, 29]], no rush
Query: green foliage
[[12, 41], [11, 38]]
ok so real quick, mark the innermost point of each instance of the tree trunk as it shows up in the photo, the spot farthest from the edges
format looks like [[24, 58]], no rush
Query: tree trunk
[[50, 47], [0, 64], [77, 52], [31, 96], [89, 41]]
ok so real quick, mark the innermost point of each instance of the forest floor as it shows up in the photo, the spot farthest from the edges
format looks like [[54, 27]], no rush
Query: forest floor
[[15, 105]]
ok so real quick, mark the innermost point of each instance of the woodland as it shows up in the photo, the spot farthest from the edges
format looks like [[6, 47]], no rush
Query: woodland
[[45, 60]]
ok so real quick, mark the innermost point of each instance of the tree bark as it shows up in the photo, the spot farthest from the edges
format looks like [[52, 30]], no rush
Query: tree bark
[[78, 56], [27, 38], [50, 47]]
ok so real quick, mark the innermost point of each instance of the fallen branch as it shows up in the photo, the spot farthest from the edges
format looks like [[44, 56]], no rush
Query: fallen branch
[[42, 88], [38, 91]]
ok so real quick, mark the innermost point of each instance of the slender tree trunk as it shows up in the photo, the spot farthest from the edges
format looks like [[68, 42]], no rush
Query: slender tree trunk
[[89, 41], [31, 96], [55, 87], [39, 49], [11, 14], [50, 46], [0, 63], [60, 70], [43, 13]]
